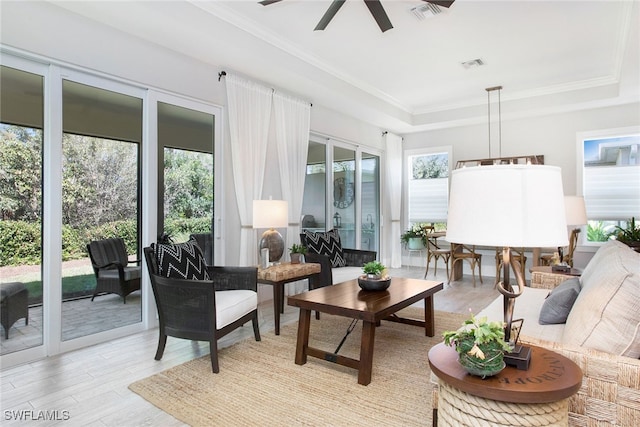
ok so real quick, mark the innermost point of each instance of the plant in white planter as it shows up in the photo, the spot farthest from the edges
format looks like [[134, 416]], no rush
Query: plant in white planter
[[416, 236]]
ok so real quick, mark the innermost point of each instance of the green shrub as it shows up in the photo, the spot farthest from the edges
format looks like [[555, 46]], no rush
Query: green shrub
[[20, 242]]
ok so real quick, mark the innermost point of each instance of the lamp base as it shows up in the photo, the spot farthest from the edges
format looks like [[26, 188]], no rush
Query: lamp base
[[520, 357], [272, 240]]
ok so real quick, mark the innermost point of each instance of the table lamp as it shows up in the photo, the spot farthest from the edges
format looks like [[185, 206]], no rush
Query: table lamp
[[508, 206], [576, 215], [271, 214]]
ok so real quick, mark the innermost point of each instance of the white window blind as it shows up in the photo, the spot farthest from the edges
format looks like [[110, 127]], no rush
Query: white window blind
[[428, 200], [612, 192]]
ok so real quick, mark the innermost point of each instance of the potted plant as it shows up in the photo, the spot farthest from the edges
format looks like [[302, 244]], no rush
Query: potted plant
[[416, 236], [296, 251], [375, 277], [629, 236], [480, 345]]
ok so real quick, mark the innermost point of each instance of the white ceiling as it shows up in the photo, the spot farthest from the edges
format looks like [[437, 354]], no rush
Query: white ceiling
[[547, 55]]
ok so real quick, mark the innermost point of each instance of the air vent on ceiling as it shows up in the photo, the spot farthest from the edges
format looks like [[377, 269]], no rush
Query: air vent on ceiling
[[426, 10], [474, 63]]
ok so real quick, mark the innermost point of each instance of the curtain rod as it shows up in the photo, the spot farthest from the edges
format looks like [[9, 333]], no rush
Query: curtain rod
[[221, 74]]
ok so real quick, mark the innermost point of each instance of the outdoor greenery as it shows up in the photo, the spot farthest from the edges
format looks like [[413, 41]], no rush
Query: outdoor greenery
[[597, 232], [100, 188], [430, 166]]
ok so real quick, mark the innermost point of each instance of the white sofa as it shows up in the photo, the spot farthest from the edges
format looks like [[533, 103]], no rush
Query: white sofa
[[601, 334]]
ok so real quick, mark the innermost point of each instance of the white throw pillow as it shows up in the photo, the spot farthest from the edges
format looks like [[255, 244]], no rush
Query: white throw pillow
[[606, 314]]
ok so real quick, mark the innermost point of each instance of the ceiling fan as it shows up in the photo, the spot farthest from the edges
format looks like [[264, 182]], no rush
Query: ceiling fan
[[375, 7]]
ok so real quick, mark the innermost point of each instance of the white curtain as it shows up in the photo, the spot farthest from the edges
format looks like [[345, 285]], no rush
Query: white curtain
[[249, 106], [292, 120], [393, 189]]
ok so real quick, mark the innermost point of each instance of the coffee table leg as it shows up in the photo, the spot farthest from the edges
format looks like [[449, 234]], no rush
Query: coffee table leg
[[302, 342], [366, 352], [429, 319]]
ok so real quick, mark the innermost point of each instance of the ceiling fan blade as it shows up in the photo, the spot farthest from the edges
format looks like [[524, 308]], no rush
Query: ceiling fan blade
[[376, 9], [329, 14], [268, 2], [442, 3]]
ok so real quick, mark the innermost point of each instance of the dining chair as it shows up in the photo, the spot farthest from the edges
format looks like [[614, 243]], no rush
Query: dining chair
[[435, 252], [517, 254], [460, 252]]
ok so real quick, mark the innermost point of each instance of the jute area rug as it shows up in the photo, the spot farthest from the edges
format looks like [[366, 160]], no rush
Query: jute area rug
[[260, 385]]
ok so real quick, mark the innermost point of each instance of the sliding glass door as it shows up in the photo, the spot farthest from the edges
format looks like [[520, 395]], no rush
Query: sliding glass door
[[21, 181], [348, 197], [101, 145]]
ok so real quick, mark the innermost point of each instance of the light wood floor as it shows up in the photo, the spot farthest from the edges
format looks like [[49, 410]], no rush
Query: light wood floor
[[89, 386]]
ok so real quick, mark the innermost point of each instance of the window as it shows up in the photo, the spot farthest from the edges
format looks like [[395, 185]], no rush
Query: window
[[428, 185], [610, 180]]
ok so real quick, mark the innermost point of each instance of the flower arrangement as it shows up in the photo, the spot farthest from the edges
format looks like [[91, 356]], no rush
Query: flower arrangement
[[480, 345], [419, 230]]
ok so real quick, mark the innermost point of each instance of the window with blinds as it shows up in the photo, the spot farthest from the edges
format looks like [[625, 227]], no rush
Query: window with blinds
[[611, 182], [428, 186]]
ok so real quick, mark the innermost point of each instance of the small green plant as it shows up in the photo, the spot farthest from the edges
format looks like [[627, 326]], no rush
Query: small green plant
[[479, 343], [629, 234], [419, 230], [373, 267], [298, 249]]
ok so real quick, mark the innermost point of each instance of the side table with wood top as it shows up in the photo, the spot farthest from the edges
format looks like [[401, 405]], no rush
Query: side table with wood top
[[279, 275], [537, 396]]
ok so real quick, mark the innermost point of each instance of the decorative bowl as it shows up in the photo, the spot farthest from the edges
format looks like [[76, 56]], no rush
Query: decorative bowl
[[367, 284]]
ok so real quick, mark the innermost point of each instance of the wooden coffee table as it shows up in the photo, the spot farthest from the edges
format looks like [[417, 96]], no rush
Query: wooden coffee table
[[348, 300]]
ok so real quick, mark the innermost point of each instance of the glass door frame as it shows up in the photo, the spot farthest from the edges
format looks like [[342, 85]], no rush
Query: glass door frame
[[330, 143]]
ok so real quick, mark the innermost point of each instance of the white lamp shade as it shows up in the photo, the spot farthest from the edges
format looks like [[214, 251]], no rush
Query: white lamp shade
[[270, 214], [507, 205], [575, 209]]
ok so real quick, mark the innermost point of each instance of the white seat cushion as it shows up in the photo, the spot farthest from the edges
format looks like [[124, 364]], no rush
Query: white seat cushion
[[231, 305], [527, 307], [342, 274]]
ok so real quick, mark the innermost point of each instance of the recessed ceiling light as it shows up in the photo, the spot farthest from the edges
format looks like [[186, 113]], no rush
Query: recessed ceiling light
[[474, 63]]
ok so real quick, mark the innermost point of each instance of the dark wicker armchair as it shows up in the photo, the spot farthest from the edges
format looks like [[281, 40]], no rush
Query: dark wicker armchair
[[354, 258], [111, 267], [191, 309]]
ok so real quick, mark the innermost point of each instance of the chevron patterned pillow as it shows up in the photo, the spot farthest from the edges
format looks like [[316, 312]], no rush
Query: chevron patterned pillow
[[327, 243], [181, 261]]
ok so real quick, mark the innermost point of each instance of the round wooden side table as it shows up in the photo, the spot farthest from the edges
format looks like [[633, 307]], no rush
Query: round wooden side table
[[535, 397]]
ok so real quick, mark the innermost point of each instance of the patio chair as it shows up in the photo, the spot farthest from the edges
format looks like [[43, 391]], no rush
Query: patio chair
[[14, 305], [110, 264], [199, 302]]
